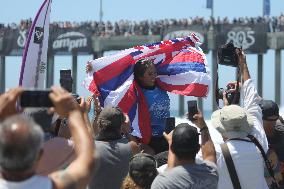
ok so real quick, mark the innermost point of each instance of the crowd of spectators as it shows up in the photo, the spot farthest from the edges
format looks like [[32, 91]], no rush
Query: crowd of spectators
[[102, 152], [150, 27]]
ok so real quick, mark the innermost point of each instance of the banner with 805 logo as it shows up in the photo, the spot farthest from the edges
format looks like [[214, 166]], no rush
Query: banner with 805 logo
[[251, 38]]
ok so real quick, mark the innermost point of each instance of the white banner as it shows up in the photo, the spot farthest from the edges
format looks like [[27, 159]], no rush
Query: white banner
[[34, 61]]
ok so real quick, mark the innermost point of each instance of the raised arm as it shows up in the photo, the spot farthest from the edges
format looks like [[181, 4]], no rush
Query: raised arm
[[243, 64], [85, 107], [97, 111], [251, 97], [207, 146], [251, 101], [78, 173]]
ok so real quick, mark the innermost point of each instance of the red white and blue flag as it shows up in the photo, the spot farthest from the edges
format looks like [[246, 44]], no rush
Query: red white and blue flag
[[181, 68]]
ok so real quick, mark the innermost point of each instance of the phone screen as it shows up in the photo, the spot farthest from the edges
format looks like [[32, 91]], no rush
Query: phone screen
[[192, 109], [66, 80], [35, 98], [170, 124]]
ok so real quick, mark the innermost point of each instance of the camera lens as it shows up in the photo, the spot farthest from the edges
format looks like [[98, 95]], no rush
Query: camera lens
[[233, 97], [220, 93]]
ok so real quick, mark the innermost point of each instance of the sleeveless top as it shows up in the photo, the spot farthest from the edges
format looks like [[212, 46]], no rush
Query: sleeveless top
[[113, 164], [158, 103], [35, 182]]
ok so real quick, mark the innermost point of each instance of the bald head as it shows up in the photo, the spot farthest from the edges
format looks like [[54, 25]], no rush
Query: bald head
[[20, 143]]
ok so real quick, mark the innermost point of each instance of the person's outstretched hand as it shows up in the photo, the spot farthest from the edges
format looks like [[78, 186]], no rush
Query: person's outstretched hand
[[8, 102], [89, 67], [89, 103], [241, 58], [126, 126], [199, 120], [97, 105], [168, 137], [85, 108]]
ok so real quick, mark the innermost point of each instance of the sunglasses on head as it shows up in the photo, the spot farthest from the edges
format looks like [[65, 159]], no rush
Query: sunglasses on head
[[146, 61], [271, 119], [144, 155]]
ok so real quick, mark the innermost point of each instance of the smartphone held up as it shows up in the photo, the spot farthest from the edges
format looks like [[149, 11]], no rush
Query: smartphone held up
[[170, 124], [35, 98], [38, 98], [192, 109]]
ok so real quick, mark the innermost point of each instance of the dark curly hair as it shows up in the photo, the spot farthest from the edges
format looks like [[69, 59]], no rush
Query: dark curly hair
[[128, 183], [140, 68]]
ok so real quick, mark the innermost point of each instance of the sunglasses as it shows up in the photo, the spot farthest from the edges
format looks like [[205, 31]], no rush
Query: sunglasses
[[271, 119]]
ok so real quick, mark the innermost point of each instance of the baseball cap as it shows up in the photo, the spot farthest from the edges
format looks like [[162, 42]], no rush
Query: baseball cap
[[162, 158], [269, 108], [232, 121], [111, 117], [142, 169]]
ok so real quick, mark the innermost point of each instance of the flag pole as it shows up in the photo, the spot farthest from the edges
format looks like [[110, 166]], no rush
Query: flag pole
[[101, 11], [212, 10], [263, 8]]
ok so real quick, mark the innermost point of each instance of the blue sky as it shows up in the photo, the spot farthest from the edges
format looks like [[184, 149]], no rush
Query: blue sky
[[14, 10], [113, 10]]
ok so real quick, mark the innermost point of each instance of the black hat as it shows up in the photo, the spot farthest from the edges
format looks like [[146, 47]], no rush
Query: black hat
[[162, 158], [142, 169], [269, 108], [185, 138]]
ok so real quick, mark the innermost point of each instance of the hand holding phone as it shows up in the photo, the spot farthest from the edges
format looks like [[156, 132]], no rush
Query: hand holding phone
[[63, 101], [170, 124], [8, 102], [192, 109]]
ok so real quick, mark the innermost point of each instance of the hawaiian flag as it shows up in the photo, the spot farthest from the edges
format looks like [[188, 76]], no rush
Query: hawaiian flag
[[181, 68]]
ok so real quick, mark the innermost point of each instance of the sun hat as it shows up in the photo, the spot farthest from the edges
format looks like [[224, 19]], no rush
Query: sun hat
[[232, 121]]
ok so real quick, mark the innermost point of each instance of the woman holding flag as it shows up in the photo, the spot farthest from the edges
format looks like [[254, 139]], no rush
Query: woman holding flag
[[138, 79], [158, 102]]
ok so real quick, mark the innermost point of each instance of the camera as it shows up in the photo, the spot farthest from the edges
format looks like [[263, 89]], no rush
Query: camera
[[227, 55], [233, 97]]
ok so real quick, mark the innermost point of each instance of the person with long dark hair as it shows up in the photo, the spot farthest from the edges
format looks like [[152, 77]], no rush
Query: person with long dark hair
[[158, 102]]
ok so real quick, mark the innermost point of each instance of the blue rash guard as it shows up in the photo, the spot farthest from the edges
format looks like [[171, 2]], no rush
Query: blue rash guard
[[159, 107]]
